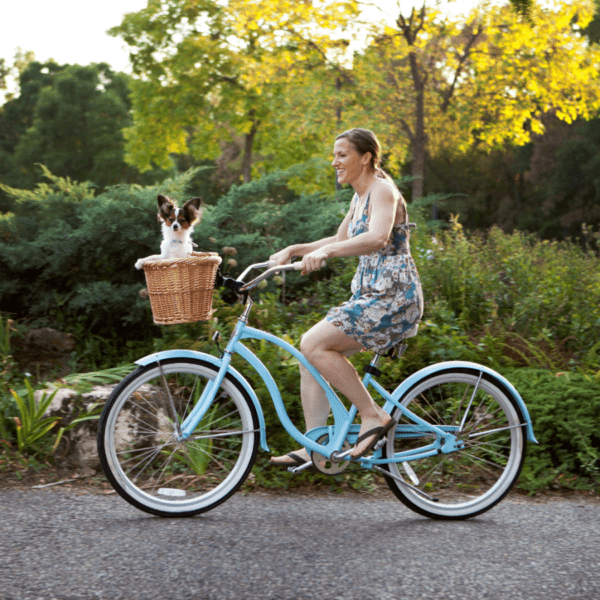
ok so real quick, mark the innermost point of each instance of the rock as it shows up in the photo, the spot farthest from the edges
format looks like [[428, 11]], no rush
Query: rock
[[44, 352], [78, 448], [78, 445]]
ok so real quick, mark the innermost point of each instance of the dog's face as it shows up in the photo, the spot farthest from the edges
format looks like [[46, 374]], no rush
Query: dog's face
[[176, 218]]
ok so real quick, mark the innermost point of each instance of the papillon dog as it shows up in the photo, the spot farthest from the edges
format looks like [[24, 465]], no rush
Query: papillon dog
[[177, 227]]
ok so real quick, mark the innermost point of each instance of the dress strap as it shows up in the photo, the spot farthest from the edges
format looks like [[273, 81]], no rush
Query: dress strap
[[353, 204], [405, 208], [367, 204]]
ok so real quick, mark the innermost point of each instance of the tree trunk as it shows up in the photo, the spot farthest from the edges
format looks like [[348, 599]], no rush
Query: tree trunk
[[419, 142], [248, 144]]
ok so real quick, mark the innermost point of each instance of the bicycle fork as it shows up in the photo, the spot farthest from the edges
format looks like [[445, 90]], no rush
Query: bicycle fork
[[204, 402], [210, 391]]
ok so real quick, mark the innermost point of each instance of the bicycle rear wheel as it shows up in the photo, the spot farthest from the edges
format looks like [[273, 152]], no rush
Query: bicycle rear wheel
[[467, 482], [139, 448]]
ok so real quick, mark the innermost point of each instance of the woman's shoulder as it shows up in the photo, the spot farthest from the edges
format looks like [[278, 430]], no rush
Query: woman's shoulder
[[385, 190]]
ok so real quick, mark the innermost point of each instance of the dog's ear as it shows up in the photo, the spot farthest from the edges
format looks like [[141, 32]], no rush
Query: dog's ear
[[195, 202], [164, 203], [165, 207], [192, 210]]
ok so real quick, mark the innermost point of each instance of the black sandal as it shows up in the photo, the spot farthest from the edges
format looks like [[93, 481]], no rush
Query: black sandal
[[297, 461]]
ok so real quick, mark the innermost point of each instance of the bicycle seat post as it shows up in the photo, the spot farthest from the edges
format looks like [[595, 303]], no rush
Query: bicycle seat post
[[371, 368]]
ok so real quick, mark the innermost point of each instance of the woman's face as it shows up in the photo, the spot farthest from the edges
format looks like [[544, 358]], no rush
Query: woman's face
[[347, 162]]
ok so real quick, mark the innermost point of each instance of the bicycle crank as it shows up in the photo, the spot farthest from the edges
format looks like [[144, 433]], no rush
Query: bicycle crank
[[326, 465]]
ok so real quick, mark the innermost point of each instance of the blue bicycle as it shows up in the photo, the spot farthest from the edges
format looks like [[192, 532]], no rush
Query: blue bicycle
[[180, 434]]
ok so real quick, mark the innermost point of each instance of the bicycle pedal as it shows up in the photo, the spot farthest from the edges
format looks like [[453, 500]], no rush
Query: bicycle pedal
[[301, 468]]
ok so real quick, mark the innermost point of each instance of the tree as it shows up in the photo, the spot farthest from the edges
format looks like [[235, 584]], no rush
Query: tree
[[209, 74], [4, 73], [565, 170], [16, 117], [77, 123], [69, 118], [440, 82]]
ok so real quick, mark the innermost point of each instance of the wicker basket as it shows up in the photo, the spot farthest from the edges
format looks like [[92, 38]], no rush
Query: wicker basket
[[181, 289]]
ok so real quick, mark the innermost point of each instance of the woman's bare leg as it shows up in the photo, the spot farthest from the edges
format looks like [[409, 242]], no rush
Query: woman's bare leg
[[315, 406], [326, 348]]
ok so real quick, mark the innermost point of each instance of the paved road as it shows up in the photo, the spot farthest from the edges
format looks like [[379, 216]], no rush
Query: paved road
[[60, 545]]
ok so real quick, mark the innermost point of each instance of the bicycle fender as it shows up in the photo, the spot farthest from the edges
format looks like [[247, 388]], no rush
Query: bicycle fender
[[499, 379], [157, 356]]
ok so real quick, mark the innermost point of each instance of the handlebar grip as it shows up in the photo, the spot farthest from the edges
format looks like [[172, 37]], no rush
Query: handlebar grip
[[296, 265]]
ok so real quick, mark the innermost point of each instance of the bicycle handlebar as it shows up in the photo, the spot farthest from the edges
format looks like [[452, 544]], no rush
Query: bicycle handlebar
[[238, 285], [273, 268]]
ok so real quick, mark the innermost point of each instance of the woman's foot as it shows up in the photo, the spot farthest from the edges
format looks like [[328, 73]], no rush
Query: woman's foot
[[292, 459], [371, 431]]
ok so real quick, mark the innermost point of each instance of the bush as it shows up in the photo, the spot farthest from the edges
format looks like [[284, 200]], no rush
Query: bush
[[565, 411], [67, 256], [525, 307], [540, 300]]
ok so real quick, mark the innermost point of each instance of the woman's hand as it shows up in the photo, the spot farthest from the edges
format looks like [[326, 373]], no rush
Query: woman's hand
[[314, 261], [283, 257]]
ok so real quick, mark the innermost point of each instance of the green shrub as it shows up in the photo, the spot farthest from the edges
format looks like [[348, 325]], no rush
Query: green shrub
[[565, 411], [32, 426], [509, 301], [540, 299], [67, 256]]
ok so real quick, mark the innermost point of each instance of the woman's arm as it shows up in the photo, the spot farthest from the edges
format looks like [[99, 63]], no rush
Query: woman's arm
[[284, 256], [383, 204]]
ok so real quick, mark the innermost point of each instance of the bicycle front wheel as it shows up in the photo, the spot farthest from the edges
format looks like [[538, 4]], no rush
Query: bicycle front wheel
[[467, 482], [148, 463]]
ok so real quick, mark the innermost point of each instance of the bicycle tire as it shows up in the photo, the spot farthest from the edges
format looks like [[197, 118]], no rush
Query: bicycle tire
[[468, 482], [149, 467]]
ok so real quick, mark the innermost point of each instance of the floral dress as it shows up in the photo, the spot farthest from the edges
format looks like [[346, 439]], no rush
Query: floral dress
[[387, 300]]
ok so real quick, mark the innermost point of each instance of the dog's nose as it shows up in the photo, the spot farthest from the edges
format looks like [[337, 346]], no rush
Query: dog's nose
[[175, 226]]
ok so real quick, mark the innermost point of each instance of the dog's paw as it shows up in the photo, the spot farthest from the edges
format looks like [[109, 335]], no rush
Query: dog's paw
[[140, 263]]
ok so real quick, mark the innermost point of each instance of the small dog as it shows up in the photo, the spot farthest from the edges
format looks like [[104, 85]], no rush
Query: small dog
[[177, 227]]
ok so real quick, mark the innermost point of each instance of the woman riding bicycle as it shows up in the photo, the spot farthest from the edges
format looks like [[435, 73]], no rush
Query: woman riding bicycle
[[387, 301]]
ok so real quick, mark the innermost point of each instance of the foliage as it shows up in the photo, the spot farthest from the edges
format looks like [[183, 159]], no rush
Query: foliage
[[565, 412], [26, 417], [549, 186], [208, 74], [564, 175], [70, 118], [508, 301], [263, 216], [442, 82], [525, 292], [67, 256], [86, 381], [9, 374], [32, 426]]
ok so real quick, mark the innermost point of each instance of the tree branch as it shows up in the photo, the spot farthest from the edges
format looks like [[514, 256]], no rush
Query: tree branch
[[409, 132], [462, 59]]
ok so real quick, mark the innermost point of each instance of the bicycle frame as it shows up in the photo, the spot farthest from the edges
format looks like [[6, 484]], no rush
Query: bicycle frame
[[343, 429], [343, 419]]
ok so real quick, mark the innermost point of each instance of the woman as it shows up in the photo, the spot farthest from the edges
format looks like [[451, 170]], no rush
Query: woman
[[387, 301]]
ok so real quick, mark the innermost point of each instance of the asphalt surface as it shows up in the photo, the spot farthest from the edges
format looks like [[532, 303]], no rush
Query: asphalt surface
[[56, 544]]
